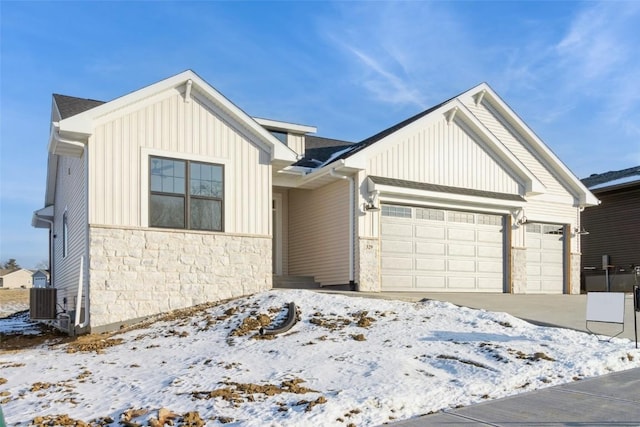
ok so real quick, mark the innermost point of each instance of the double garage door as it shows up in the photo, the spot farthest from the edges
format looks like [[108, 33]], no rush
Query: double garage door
[[438, 250]]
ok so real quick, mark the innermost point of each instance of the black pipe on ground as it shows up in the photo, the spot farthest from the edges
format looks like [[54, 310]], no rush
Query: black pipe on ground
[[292, 317]]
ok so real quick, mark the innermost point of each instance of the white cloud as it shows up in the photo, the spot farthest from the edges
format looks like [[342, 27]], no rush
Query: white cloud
[[403, 54]]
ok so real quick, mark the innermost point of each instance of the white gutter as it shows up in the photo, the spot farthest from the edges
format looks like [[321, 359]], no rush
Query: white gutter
[[352, 215], [78, 301], [57, 139]]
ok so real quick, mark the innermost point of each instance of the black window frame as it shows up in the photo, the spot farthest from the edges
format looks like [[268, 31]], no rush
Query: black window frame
[[186, 194]]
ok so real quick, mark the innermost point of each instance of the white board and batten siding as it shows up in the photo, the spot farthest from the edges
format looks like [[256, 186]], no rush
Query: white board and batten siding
[[170, 127], [440, 153], [319, 233], [432, 249], [70, 197]]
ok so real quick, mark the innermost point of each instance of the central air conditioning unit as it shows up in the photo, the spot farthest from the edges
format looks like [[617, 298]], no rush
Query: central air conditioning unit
[[42, 303]]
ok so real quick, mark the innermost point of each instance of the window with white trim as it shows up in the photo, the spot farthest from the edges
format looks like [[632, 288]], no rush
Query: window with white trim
[[186, 194]]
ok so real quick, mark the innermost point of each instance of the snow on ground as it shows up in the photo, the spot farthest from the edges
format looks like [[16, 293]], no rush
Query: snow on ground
[[12, 307], [348, 361]]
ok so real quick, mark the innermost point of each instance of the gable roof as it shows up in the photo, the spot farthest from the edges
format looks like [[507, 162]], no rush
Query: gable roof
[[455, 109], [381, 135], [318, 150], [599, 180], [78, 124], [69, 106]]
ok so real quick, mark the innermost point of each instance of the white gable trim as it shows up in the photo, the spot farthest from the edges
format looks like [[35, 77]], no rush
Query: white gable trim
[[455, 112], [186, 83], [483, 94], [286, 126]]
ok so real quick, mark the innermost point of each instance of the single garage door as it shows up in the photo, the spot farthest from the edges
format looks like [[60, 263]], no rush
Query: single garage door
[[437, 250], [545, 259]]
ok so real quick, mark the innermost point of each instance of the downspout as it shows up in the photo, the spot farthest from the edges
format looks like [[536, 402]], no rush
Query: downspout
[[351, 223], [85, 323], [85, 178]]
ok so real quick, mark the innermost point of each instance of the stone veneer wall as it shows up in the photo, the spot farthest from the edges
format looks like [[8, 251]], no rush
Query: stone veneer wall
[[135, 273], [367, 265], [518, 270]]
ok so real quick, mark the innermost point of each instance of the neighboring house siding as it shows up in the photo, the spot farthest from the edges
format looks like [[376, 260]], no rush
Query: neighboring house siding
[[16, 279], [70, 197], [614, 230], [319, 233], [440, 153], [170, 127]]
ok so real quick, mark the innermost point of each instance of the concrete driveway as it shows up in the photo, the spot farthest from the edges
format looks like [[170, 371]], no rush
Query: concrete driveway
[[566, 311]]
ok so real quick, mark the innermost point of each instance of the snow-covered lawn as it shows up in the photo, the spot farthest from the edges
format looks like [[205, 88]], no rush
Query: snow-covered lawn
[[348, 361]]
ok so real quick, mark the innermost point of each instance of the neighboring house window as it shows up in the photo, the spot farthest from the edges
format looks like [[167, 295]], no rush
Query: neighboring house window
[[65, 236], [281, 136], [186, 194]]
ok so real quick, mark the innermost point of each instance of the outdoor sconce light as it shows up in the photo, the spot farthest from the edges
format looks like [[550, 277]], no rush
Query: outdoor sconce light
[[371, 206]]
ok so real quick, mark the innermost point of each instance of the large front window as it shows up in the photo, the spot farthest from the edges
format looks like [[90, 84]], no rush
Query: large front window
[[186, 194]]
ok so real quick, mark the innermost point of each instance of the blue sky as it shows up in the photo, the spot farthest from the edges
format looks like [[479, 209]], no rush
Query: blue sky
[[569, 69]]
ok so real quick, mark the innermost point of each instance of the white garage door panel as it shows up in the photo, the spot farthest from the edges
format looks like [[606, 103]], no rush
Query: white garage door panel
[[449, 250], [490, 252], [429, 233], [464, 235], [545, 258], [489, 237], [396, 282], [430, 248], [430, 282], [462, 250], [461, 266], [461, 283], [429, 264], [489, 267], [397, 263], [398, 230], [397, 247]]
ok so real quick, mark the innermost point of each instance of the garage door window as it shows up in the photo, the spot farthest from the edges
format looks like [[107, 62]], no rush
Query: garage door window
[[489, 219], [430, 214], [396, 211], [460, 217]]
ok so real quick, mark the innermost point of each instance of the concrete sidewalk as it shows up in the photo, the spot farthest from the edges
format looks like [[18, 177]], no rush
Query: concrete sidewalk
[[609, 400]]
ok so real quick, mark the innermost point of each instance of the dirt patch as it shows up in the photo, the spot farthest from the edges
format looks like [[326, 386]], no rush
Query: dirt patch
[[130, 418], [251, 324], [93, 342], [242, 392]]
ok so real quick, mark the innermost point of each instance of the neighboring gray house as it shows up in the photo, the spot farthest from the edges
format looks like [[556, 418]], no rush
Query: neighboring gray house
[[40, 279], [172, 196], [614, 231]]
